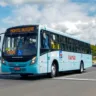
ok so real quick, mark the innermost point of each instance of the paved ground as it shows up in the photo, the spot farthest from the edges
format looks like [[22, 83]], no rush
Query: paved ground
[[68, 84]]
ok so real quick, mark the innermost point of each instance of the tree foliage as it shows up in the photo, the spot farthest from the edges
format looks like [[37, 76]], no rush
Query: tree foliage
[[93, 50]]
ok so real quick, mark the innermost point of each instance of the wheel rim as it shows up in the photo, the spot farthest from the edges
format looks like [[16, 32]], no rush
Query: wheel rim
[[53, 70], [82, 68]]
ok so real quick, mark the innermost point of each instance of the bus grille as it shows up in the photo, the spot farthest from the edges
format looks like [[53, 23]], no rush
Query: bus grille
[[17, 65]]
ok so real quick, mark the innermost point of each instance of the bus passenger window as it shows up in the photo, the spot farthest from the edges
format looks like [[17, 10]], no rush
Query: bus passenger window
[[55, 42], [45, 41], [52, 44]]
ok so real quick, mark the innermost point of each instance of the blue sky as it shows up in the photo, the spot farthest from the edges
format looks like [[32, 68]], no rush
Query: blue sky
[[84, 1], [71, 16], [5, 12], [7, 9], [89, 3]]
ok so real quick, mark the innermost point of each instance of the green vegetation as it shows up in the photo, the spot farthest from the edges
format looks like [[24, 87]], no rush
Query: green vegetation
[[93, 49]]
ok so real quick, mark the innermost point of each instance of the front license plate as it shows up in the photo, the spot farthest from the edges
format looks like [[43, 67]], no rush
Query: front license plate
[[17, 68]]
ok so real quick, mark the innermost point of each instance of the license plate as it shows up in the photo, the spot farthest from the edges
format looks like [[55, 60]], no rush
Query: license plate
[[17, 68]]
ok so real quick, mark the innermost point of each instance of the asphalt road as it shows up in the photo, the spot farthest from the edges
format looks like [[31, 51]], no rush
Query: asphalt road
[[68, 84]]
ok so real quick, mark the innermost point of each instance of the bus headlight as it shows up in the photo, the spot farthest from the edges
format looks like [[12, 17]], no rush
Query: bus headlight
[[2, 61], [33, 60]]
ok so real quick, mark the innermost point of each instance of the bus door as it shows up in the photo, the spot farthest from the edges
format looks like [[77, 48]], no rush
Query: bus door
[[44, 51]]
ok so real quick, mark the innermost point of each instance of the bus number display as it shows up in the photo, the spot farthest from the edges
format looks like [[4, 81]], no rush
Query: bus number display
[[26, 29], [11, 52]]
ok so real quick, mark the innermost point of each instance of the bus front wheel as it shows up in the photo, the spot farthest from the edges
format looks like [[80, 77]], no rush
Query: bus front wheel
[[53, 71]]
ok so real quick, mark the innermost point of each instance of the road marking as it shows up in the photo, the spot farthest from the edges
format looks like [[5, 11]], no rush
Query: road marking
[[75, 79]]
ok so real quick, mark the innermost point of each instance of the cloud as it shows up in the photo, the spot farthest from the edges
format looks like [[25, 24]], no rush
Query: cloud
[[3, 4], [50, 13], [2, 30], [82, 30], [19, 2], [66, 16]]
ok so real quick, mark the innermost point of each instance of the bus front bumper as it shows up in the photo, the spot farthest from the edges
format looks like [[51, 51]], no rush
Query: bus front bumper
[[31, 69]]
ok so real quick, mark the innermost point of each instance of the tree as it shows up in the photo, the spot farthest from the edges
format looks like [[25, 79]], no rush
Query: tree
[[93, 50]]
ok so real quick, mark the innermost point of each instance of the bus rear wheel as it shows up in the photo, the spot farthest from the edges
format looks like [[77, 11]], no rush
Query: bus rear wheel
[[81, 70]]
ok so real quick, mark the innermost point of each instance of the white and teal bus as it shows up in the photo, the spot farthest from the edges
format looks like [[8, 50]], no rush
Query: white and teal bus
[[36, 49], [1, 41]]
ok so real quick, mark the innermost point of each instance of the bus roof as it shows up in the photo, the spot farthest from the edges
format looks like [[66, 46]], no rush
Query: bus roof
[[52, 30], [62, 33]]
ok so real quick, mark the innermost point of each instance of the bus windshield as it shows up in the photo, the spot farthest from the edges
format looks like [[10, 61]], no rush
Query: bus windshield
[[20, 45]]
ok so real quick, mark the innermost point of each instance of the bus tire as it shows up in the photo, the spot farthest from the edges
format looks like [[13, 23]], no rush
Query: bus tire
[[81, 70], [54, 71], [24, 75]]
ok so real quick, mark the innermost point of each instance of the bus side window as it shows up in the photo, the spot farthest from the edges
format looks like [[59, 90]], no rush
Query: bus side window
[[44, 40], [52, 43], [55, 41]]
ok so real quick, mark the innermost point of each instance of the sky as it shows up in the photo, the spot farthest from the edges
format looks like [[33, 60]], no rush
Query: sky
[[74, 17]]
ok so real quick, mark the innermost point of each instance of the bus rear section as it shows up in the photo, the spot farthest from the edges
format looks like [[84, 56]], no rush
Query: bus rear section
[[19, 50], [59, 53]]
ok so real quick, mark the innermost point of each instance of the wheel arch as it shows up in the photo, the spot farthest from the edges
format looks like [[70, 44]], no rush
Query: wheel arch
[[82, 62], [56, 63]]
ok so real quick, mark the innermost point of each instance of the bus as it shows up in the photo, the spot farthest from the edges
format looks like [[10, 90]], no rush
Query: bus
[[37, 49], [1, 41]]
